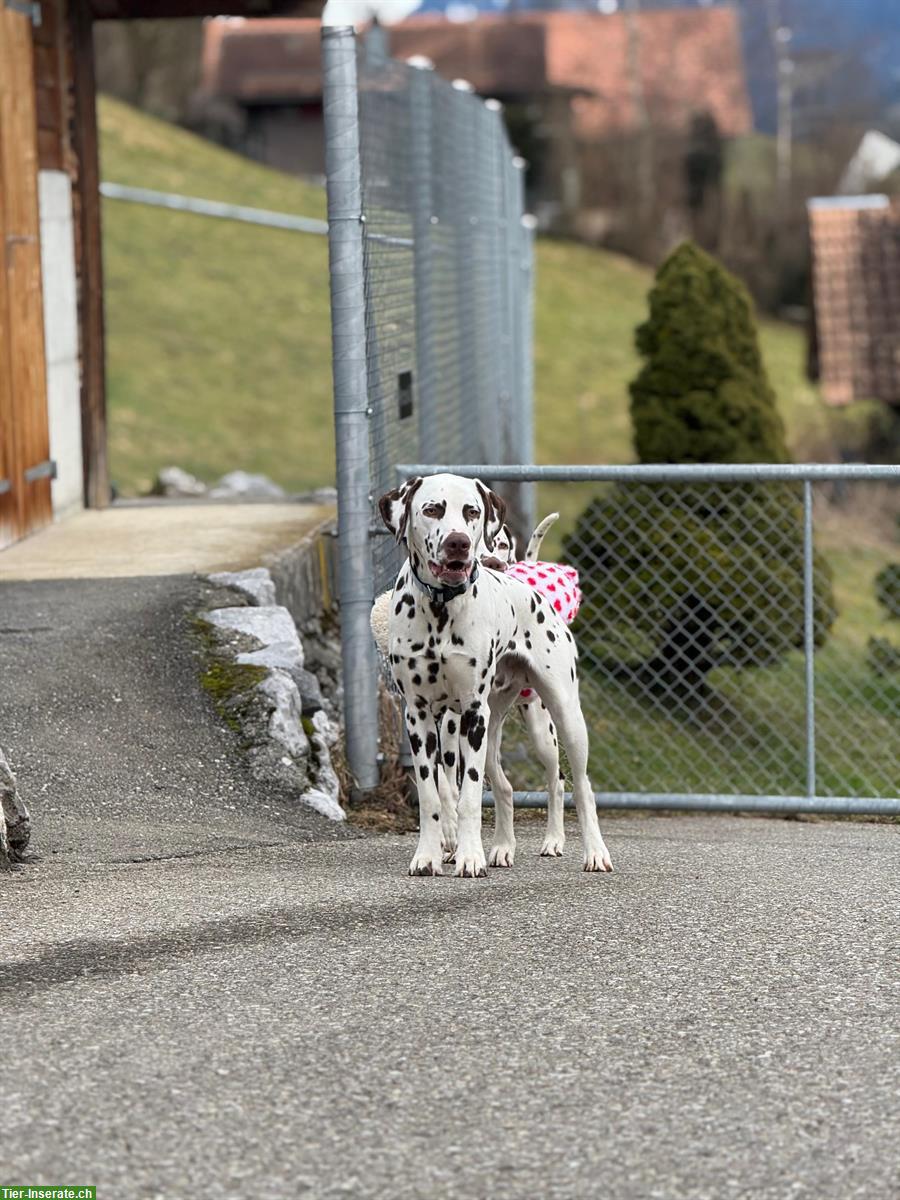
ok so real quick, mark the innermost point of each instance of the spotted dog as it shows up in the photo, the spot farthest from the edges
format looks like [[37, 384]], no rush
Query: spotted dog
[[534, 713], [463, 643], [505, 545]]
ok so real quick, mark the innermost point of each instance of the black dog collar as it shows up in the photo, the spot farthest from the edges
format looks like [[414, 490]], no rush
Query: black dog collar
[[442, 595]]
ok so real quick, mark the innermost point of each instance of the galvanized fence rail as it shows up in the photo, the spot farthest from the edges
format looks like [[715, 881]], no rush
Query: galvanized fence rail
[[199, 207], [713, 642], [430, 256]]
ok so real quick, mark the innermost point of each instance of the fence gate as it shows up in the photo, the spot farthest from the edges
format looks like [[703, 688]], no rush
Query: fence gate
[[430, 263], [25, 468]]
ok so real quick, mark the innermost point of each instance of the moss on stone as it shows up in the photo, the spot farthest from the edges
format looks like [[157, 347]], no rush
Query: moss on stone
[[228, 683], [311, 732]]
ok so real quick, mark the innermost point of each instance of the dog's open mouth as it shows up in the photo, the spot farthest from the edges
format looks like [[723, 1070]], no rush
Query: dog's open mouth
[[451, 573]]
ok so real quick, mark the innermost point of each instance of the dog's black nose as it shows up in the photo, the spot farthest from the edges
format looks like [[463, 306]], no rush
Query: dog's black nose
[[457, 545]]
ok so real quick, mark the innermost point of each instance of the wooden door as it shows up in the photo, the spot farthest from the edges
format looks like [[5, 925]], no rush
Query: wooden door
[[25, 503]]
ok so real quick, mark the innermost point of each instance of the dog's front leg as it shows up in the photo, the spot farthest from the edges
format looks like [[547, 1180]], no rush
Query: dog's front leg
[[503, 851], [470, 860], [447, 784], [423, 741]]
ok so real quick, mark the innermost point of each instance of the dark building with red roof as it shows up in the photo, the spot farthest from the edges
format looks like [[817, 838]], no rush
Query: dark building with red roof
[[569, 77]]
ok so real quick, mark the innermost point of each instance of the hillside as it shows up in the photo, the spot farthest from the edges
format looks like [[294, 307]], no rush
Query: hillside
[[218, 333]]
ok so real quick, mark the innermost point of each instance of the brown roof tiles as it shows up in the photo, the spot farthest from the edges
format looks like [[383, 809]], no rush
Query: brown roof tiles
[[856, 281], [690, 60]]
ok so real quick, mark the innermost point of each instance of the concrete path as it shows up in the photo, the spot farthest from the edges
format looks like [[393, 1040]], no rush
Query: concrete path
[[717, 1019], [160, 538]]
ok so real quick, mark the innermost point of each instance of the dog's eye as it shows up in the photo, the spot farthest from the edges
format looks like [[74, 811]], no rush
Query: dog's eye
[[471, 513], [433, 510]]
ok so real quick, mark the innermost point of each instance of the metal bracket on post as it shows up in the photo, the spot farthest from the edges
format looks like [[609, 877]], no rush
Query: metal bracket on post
[[42, 470], [351, 410]]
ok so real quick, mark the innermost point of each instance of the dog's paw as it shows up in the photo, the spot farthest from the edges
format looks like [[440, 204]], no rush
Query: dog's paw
[[424, 863], [470, 864], [502, 855], [596, 858]]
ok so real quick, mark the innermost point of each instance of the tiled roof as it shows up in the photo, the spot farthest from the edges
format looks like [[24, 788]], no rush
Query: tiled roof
[[498, 58], [690, 60], [262, 61], [856, 282]]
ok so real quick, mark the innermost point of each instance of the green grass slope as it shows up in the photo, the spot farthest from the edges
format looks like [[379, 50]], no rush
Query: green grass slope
[[587, 306], [218, 350], [218, 333]]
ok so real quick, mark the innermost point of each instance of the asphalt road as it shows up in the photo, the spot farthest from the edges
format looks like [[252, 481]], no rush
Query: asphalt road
[[119, 753], [718, 1019], [201, 997]]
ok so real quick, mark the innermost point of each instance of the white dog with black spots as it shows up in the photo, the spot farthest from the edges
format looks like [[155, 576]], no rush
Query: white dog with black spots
[[464, 641]]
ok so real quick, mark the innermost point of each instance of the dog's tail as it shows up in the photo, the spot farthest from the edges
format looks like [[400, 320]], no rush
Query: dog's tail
[[534, 542]]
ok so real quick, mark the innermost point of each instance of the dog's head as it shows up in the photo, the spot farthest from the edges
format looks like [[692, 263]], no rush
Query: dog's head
[[446, 522], [504, 551]]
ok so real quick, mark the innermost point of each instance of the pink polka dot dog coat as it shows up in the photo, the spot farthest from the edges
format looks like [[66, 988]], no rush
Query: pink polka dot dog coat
[[557, 582]]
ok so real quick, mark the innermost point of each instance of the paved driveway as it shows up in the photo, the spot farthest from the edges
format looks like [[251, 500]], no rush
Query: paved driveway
[[720, 1018]]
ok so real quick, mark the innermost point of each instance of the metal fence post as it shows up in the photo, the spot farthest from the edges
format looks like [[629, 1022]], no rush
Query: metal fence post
[[809, 638], [497, 315], [478, 421], [421, 83], [486, 285], [519, 417], [351, 410], [524, 417]]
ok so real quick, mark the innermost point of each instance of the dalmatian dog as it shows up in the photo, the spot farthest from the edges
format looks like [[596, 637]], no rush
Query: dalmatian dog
[[505, 545], [464, 641], [534, 712]]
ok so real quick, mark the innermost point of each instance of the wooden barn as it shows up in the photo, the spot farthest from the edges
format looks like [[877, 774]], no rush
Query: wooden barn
[[52, 390]]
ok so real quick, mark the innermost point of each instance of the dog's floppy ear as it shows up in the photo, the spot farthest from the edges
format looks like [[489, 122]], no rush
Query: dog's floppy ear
[[494, 513], [513, 545], [394, 507]]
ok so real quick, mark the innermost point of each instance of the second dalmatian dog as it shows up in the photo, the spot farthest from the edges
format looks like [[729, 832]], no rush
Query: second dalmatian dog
[[463, 643]]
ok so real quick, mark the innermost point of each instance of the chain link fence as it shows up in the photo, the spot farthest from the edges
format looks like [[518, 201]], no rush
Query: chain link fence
[[447, 270], [431, 265], [738, 636], [733, 656]]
